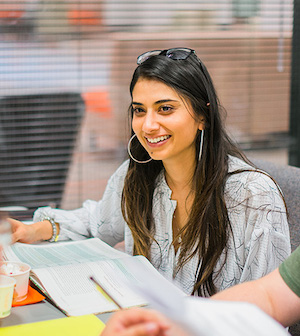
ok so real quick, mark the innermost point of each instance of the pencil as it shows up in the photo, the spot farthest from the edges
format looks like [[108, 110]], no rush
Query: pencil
[[104, 292]]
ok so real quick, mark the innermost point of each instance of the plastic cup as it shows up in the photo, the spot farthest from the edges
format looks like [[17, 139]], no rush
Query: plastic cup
[[21, 276], [7, 285]]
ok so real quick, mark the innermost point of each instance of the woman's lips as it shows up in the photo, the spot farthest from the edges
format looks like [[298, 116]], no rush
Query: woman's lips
[[157, 141]]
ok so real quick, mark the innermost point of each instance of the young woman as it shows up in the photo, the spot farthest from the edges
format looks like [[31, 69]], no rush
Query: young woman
[[187, 198]]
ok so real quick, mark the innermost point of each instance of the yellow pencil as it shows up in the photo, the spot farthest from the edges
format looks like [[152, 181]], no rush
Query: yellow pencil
[[105, 293]]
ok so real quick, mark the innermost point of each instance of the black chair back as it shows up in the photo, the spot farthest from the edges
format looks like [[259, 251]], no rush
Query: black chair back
[[37, 138]]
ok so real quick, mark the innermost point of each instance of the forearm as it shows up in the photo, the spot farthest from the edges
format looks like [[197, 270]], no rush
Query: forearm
[[30, 233], [43, 230], [252, 292], [73, 224], [270, 293]]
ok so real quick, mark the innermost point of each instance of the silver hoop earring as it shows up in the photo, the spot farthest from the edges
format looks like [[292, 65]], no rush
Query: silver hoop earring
[[201, 145], [128, 149]]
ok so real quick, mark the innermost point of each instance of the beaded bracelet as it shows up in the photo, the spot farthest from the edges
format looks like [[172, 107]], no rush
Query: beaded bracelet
[[54, 237]]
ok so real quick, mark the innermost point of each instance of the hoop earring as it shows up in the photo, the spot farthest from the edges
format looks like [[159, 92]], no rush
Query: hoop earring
[[201, 145], [128, 149]]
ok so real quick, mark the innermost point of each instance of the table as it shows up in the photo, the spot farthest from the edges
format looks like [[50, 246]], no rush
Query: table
[[38, 312]]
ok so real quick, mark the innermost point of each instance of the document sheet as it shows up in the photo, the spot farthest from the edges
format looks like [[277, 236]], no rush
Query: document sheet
[[63, 270]]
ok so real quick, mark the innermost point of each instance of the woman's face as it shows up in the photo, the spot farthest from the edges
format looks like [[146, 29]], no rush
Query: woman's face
[[163, 122]]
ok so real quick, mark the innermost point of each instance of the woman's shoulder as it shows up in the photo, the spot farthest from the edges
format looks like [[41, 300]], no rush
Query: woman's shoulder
[[251, 179], [123, 168], [119, 175], [236, 164]]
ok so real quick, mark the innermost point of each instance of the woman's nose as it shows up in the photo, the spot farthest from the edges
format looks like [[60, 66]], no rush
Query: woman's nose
[[150, 123]]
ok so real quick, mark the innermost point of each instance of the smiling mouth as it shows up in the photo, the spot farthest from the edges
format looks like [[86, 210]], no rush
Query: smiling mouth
[[158, 139]]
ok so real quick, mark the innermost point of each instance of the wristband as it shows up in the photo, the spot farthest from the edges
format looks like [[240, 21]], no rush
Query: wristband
[[54, 237]]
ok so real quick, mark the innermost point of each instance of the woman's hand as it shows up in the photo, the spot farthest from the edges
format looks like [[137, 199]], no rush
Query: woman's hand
[[136, 322], [30, 233]]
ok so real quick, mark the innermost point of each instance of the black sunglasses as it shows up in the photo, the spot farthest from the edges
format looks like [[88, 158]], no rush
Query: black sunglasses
[[174, 54]]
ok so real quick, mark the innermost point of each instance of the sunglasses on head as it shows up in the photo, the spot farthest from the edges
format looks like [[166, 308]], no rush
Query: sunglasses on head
[[174, 54]]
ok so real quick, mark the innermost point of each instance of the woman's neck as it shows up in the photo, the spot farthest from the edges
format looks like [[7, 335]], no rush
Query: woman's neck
[[179, 178], [180, 175]]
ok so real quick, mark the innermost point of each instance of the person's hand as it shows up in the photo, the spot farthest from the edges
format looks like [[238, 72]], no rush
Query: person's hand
[[21, 232], [30, 233], [136, 322]]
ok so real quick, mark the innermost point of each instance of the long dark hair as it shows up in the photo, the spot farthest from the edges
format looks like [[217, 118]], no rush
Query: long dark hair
[[208, 228]]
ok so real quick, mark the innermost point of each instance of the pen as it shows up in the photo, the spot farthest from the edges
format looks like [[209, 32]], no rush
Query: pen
[[104, 292]]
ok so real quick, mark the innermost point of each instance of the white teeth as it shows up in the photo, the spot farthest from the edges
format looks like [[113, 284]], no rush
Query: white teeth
[[156, 140]]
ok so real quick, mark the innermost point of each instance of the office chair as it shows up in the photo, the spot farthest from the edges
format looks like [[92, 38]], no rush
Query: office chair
[[37, 138], [288, 178]]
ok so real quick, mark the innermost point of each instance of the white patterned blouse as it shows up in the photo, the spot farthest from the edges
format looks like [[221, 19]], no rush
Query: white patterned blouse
[[256, 212]]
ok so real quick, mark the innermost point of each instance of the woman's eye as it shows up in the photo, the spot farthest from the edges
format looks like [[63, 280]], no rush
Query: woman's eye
[[137, 110], [166, 109]]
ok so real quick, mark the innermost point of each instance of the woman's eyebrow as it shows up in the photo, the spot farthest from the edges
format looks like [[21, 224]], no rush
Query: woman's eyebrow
[[165, 101], [157, 102]]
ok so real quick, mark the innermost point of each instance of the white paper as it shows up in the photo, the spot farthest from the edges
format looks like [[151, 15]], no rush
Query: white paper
[[205, 317], [73, 291], [64, 269], [163, 295], [219, 318], [74, 252]]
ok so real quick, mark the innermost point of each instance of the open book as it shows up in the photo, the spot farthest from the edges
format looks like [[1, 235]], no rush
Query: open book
[[62, 272]]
